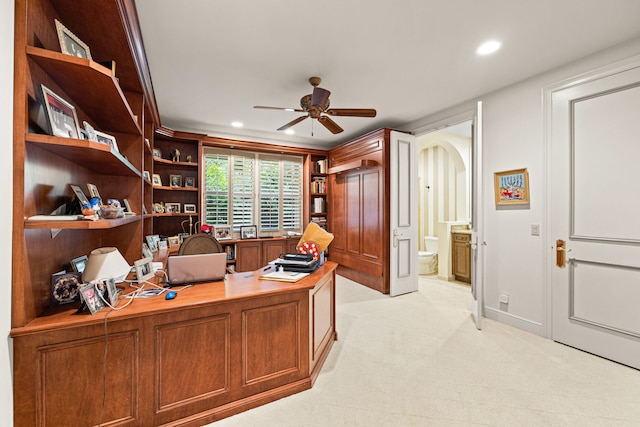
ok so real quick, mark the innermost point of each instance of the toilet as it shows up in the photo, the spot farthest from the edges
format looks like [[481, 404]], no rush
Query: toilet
[[428, 259]]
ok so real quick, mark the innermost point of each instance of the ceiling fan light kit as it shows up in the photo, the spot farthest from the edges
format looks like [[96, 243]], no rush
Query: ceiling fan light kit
[[316, 106]]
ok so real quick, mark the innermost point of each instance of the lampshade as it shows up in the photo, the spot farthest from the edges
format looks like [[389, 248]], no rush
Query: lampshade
[[105, 263]]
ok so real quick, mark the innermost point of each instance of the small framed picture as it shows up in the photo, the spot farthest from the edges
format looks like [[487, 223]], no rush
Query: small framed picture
[[93, 191], [152, 242], [146, 251], [104, 138], [78, 264], [144, 269], [158, 208], [248, 232], [189, 181], [175, 180], [127, 206], [511, 187], [80, 195], [112, 291], [70, 44], [157, 181], [157, 153], [65, 287], [172, 207], [61, 115], [146, 176], [222, 232], [89, 295], [162, 244], [189, 208], [173, 241]]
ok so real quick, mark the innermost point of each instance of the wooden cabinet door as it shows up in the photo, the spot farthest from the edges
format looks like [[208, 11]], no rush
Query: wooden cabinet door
[[248, 255], [272, 249], [461, 257]]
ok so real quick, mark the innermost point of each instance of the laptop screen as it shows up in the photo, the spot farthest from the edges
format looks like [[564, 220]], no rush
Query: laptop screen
[[184, 269]]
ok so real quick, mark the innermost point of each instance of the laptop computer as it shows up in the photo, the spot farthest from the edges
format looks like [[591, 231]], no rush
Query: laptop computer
[[184, 269]]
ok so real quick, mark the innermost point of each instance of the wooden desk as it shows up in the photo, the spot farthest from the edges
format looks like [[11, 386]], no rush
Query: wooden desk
[[217, 349]]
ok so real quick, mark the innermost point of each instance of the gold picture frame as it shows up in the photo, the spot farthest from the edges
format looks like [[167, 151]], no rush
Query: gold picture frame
[[70, 44], [512, 187]]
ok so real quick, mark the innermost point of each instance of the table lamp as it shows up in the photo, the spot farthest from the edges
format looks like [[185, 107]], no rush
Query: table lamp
[[105, 263]]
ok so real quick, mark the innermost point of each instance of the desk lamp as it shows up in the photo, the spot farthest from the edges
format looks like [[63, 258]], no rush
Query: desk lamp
[[105, 263]]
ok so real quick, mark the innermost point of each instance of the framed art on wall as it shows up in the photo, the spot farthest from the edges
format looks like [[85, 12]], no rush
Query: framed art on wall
[[512, 187]]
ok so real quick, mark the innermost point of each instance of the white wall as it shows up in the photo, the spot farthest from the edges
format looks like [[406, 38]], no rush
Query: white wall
[[6, 195], [516, 263]]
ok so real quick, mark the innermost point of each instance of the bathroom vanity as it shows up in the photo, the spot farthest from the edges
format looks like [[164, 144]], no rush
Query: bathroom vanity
[[461, 255]]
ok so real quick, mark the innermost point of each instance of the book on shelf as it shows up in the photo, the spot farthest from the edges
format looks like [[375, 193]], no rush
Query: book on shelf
[[319, 185], [321, 166], [319, 205]]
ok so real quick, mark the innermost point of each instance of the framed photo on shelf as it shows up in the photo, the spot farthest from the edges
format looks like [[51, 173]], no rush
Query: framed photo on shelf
[[222, 232], [144, 269], [175, 180], [93, 191], [112, 291], [70, 44], [80, 195], [78, 264], [104, 138], [172, 207], [146, 251], [152, 242], [189, 208], [146, 176], [89, 295], [512, 187], [157, 153], [173, 241], [158, 208], [157, 181], [189, 181], [61, 115], [65, 287], [90, 131], [248, 232]]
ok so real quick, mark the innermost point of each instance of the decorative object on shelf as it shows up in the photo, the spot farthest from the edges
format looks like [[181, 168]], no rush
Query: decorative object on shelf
[[189, 181], [248, 232], [111, 212], [146, 176], [189, 158], [175, 155], [162, 244], [104, 138], [89, 294], [78, 264], [152, 241], [189, 208], [172, 207], [146, 251], [222, 232], [65, 287], [173, 241], [512, 187], [91, 132], [127, 206], [112, 292], [104, 263], [158, 208], [157, 181], [157, 153], [70, 44], [175, 180], [61, 115], [80, 195], [93, 191]]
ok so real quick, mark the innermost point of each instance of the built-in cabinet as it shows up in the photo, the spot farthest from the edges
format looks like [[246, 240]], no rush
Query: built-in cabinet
[[252, 254], [358, 180], [461, 256], [316, 172]]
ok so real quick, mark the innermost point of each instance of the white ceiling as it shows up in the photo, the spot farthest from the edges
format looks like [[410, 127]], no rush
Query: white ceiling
[[211, 61]]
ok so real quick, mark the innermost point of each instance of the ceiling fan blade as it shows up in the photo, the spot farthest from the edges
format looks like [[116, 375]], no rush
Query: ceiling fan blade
[[279, 108], [352, 112], [293, 122], [330, 124], [320, 97]]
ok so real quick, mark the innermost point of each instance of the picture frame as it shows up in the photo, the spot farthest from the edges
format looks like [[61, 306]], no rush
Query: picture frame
[[90, 297], [146, 176], [105, 138], [146, 251], [90, 131], [112, 291], [222, 232], [158, 208], [93, 191], [70, 44], [144, 269], [152, 242], [172, 207], [248, 232], [157, 153], [157, 181], [127, 206], [65, 287], [173, 241], [162, 244], [78, 264], [189, 208], [80, 195], [62, 118], [189, 181], [175, 180], [512, 187]]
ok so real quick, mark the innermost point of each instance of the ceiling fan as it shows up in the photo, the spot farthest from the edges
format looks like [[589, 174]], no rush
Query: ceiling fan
[[316, 105]]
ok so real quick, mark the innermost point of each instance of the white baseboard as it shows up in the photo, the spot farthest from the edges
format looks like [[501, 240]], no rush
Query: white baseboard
[[515, 321]]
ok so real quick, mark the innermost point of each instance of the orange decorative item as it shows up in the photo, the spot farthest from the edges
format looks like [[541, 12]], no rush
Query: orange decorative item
[[309, 248]]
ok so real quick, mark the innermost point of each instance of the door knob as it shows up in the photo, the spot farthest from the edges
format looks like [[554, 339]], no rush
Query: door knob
[[561, 253]]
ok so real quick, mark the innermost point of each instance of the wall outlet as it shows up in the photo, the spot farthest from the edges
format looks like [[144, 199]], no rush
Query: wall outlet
[[504, 298], [535, 229]]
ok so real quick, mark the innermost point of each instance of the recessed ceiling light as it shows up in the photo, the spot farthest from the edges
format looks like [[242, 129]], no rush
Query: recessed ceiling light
[[489, 47], [289, 131], [237, 124]]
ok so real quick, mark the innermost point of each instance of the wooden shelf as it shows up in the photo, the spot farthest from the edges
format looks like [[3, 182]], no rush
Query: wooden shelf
[[82, 224], [166, 188], [172, 163], [98, 157], [188, 214], [358, 164], [92, 88]]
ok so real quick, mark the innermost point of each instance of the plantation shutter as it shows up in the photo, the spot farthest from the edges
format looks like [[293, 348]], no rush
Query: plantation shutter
[[269, 194], [291, 194], [242, 191], [216, 189]]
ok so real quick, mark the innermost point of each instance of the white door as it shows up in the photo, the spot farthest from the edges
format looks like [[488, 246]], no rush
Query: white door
[[477, 245], [404, 214], [594, 207]]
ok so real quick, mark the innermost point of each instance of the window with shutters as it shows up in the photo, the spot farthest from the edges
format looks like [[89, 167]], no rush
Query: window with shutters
[[247, 188]]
